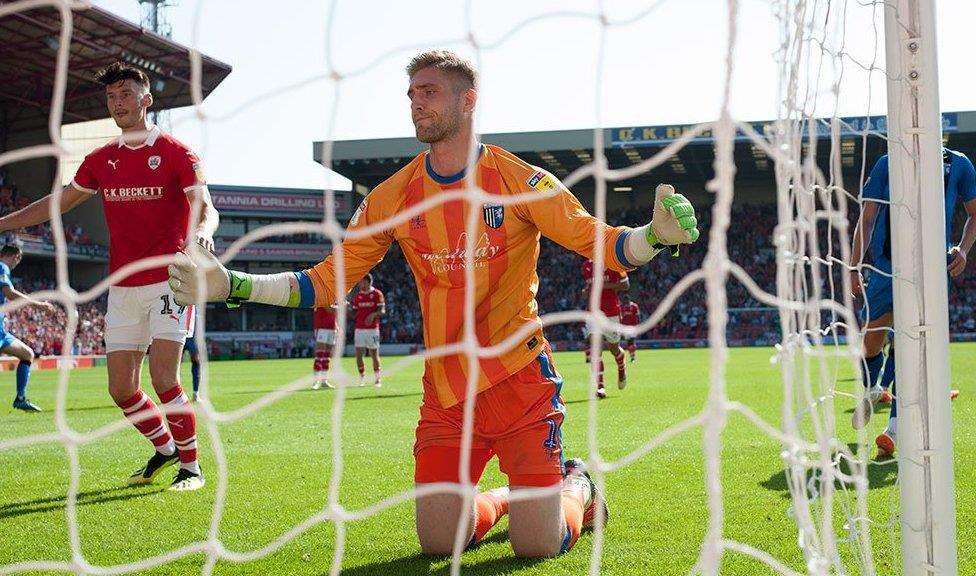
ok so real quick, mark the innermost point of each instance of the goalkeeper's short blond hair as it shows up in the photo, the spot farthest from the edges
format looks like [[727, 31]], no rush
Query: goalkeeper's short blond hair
[[459, 68]]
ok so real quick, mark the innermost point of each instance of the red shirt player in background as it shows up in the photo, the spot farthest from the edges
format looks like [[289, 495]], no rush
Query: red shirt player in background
[[148, 181], [323, 323], [630, 315], [368, 304], [613, 283]]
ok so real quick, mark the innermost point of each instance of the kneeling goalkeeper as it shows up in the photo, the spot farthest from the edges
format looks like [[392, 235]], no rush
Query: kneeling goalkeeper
[[518, 411]]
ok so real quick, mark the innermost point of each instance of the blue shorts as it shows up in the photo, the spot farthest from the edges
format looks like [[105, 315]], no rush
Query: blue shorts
[[190, 345], [6, 339], [878, 296]]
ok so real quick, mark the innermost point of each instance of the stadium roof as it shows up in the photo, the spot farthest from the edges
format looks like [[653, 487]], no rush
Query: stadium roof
[[369, 162], [28, 59]]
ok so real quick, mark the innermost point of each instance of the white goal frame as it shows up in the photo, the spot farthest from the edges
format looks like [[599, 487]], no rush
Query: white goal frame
[[921, 313]]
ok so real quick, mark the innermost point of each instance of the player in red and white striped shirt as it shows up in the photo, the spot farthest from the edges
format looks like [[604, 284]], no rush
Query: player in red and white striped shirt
[[149, 182], [630, 315]]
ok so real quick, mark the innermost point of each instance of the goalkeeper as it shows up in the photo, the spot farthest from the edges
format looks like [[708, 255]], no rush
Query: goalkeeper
[[518, 410]]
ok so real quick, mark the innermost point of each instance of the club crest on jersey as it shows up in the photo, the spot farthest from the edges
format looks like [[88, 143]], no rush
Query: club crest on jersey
[[155, 161], [494, 215]]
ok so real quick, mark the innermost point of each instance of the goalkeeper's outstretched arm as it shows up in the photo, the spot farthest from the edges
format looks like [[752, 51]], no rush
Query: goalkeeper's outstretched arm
[[198, 274], [564, 220]]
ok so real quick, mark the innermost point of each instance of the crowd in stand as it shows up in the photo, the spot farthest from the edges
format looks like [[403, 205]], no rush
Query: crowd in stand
[[750, 322], [77, 239], [43, 329], [561, 287]]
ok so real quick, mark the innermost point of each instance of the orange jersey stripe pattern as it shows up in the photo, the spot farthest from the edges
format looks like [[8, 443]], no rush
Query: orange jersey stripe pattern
[[505, 257]]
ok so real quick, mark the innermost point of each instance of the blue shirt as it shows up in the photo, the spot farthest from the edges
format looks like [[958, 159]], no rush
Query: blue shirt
[[4, 281], [959, 177]]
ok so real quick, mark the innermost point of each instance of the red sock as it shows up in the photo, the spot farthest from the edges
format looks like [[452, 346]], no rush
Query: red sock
[[362, 370], [621, 364], [489, 509], [321, 361], [183, 425], [142, 412], [573, 512], [632, 348], [599, 375]]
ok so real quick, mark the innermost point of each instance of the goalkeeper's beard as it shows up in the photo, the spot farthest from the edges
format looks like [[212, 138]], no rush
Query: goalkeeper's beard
[[441, 131]]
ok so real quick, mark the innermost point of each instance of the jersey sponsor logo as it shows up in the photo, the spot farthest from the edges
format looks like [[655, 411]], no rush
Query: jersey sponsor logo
[[541, 181], [132, 194], [494, 216], [113, 164], [446, 260], [154, 162]]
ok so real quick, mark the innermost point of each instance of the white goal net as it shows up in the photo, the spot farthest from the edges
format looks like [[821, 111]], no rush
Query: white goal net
[[819, 138]]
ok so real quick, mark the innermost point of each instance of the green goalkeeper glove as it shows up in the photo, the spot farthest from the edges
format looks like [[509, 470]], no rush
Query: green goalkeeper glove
[[674, 220]]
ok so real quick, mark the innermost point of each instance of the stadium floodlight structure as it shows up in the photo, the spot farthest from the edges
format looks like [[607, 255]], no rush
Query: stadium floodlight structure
[[921, 316]]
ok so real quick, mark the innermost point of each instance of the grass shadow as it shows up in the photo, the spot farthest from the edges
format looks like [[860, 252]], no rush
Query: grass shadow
[[881, 474], [423, 564], [91, 408], [384, 396], [585, 400], [38, 505]]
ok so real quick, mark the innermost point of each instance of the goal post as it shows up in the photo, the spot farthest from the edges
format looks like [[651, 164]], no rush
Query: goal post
[[921, 318]]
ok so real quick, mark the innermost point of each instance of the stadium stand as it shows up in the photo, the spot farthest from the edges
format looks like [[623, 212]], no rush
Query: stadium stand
[[560, 288], [99, 38]]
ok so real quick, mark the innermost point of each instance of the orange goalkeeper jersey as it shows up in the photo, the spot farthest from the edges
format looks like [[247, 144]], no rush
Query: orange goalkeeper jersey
[[505, 255]]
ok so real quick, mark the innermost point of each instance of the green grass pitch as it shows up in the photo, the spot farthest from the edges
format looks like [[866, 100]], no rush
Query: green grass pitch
[[279, 466]]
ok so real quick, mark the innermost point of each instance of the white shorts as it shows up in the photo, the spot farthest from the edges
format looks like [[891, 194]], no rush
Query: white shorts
[[367, 338], [325, 336], [137, 315], [610, 337]]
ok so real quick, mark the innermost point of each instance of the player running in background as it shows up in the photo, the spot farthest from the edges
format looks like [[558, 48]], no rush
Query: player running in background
[[873, 233], [368, 305], [148, 182], [323, 323], [10, 256], [614, 282], [518, 411], [630, 315]]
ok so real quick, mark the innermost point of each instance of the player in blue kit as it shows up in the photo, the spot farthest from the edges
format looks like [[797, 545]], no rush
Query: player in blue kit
[[190, 347], [873, 233], [10, 256]]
